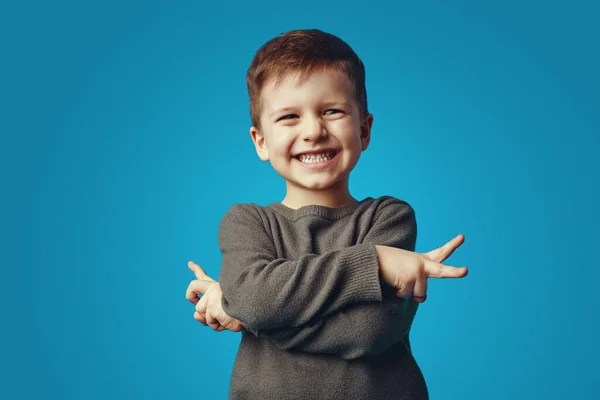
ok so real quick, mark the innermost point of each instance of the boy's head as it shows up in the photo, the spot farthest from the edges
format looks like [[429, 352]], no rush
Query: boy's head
[[303, 52], [307, 95]]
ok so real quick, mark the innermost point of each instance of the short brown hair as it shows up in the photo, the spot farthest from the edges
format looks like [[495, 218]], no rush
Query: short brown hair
[[303, 51]]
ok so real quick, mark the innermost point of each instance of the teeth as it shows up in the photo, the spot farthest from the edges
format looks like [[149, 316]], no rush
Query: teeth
[[315, 158]]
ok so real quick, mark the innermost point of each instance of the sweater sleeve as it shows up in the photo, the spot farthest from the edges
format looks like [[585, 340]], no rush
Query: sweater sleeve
[[359, 330], [266, 292], [364, 328]]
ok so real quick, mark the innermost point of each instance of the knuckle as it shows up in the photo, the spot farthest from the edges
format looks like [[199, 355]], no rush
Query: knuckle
[[209, 319], [221, 318], [400, 285]]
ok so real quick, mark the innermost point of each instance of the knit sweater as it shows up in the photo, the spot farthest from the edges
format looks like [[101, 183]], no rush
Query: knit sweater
[[320, 322]]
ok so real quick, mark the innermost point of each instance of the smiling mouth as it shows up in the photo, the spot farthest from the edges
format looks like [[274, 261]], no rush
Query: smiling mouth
[[313, 159]]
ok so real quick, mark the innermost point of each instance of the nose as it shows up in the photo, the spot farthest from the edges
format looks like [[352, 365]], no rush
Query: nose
[[313, 129]]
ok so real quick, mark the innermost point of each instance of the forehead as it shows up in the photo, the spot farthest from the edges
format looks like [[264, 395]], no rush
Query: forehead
[[293, 89]]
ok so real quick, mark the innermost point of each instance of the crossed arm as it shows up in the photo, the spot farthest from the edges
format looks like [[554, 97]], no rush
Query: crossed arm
[[345, 310], [358, 330]]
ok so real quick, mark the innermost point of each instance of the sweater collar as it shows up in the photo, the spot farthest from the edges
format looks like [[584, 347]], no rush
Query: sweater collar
[[318, 210]]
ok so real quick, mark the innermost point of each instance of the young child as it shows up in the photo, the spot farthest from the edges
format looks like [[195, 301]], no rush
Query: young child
[[323, 287]]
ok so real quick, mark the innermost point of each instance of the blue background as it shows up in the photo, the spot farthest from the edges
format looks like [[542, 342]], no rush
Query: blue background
[[125, 139]]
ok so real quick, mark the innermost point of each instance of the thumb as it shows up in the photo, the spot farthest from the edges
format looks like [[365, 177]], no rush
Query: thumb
[[198, 271], [437, 270]]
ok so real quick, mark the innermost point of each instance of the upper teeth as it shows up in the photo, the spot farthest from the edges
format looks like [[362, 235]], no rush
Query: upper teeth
[[316, 157]]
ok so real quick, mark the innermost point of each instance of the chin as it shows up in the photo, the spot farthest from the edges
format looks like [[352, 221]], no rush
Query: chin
[[315, 185]]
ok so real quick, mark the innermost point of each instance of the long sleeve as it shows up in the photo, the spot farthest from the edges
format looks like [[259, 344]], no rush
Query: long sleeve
[[266, 292], [364, 328], [359, 330]]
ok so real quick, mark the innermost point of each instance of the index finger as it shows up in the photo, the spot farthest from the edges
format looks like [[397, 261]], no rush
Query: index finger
[[195, 288], [442, 253]]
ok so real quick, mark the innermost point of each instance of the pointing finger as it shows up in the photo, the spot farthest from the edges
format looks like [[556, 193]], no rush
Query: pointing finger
[[195, 288], [442, 253]]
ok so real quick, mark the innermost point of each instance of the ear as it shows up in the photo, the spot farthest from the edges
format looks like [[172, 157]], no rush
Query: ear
[[365, 131], [260, 144]]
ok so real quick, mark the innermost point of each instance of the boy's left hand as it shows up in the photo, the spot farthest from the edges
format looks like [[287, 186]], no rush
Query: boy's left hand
[[209, 310]]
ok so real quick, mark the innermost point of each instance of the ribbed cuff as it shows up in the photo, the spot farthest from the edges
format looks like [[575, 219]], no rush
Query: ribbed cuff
[[361, 274]]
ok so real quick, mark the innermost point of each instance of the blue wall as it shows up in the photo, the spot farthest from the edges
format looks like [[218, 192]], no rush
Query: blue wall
[[125, 139]]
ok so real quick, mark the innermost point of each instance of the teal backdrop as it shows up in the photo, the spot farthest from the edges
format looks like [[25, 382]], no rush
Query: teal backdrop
[[125, 139]]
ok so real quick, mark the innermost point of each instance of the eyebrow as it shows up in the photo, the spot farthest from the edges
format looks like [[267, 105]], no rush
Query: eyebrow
[[326, 104]]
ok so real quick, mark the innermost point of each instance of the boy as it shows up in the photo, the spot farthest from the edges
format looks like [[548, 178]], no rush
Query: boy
[[323, 287]]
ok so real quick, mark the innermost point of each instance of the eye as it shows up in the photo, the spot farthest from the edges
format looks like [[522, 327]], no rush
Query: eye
[[287, 116], [333, 109]]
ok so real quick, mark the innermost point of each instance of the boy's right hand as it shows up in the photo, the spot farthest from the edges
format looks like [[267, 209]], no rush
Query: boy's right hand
[[408, 271]]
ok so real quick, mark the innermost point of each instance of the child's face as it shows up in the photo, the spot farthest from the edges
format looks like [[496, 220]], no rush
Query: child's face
[[321, 113]]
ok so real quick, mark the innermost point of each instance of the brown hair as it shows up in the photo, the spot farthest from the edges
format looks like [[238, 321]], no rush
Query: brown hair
[[303, 51]]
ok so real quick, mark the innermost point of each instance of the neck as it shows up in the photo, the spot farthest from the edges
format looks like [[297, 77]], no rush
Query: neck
[[333, 197]]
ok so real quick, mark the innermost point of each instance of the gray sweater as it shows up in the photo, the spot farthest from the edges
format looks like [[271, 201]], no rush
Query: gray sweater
[[321, 324]]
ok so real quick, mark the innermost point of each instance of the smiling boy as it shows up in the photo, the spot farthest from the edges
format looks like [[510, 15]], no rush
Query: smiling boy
[[313, 131], [323, 287]]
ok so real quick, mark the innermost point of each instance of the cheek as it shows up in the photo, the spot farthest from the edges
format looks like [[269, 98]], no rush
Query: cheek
[[346, 128], [350, 137], [283, 146]]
